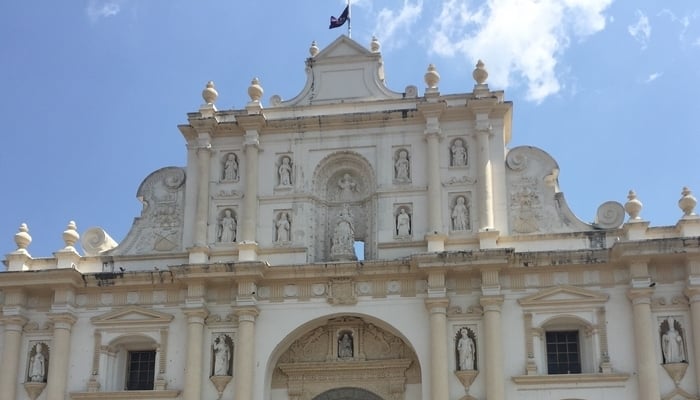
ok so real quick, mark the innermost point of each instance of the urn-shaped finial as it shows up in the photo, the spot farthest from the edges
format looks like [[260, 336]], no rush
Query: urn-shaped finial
[[432, 77], [480, 74], [22, 238], [209, 94], [633, 205], [313, 50], [70, 235], [688, 202], [255, 91], [374, 46]]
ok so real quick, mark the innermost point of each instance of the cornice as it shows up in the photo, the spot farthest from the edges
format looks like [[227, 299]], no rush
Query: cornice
[[126, 395], [44, 278]]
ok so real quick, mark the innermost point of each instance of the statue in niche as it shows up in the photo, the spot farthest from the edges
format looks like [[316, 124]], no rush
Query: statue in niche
[[284, 171], [466, 350], [460, 215], [222, 355], [231, 168], [345, 346], [402, 166], [672, 344], [283, 227], [347, 186], [403, 223], [344, 234], [37, 364], [459, 153], [226, 232]]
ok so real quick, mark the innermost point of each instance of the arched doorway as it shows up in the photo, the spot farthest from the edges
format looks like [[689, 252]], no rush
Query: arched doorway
[[348, 393]]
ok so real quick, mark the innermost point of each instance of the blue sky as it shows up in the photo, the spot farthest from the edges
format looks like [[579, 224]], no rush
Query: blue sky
[[94, 90]]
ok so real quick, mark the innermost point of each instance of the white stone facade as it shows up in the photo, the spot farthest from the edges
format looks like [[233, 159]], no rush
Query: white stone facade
[[241, 278]]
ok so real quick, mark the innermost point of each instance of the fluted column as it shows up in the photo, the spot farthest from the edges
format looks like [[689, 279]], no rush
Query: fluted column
[[10, 356], [485, 179], [202, 209], [59, 356], [250, 200], [439, 383], [193, 367], [244, 356], [493, 357], [644, 344], [431, 111]]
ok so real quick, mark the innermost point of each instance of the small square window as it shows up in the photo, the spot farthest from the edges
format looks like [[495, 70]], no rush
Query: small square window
[[563, 352], [141, 370]]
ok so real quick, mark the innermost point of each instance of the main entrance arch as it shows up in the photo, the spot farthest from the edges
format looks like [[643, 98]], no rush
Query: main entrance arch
[[347, 394]]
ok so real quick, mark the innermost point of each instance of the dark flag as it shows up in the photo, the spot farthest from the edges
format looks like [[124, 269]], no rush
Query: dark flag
[[338, 22]]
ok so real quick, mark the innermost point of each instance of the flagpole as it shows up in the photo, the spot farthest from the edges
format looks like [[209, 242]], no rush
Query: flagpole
[[349, 21]]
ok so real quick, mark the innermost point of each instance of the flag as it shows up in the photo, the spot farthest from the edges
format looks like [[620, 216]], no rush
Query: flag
[[338, 22]]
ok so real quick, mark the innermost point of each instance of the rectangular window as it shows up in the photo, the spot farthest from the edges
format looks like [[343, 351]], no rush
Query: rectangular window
[[563, 352], [141, 370]]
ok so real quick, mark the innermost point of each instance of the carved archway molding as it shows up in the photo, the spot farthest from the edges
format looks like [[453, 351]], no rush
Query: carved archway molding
[[387, 378]]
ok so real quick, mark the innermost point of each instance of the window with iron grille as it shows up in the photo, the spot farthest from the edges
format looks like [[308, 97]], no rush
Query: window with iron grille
[[141, 370], [563, 352]]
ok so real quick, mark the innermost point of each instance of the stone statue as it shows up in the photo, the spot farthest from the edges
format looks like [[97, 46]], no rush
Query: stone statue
[[347, 186], [344, 234], [466, 351], [402, 166], [222, 356], [285, 172], [672, 344], [227, 228], [37, 365], [459, 153], [345, 346], [231, 168], [283, 226], [403, 223], [460, 215]]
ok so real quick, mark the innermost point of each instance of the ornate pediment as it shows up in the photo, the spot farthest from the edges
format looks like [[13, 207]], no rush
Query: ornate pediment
[[132, 316], [563, 296]]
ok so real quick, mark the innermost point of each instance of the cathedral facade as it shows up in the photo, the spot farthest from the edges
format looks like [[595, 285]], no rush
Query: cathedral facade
[[356, 242]]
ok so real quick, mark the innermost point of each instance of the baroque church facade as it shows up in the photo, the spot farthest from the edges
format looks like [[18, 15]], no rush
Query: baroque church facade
[[354, 242]]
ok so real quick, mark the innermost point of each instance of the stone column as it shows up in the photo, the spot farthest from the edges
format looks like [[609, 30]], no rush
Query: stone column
[[10, 356], [431, 111], [202, 209], [193, 367], [244, 355], [693, 294], [59, 356], [493, 357], [644, 344], [439, 383], [250, 200], [485, 178]]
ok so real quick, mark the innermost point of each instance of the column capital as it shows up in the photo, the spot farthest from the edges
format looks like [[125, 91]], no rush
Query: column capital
[[640, 295], [437, 304], [14, 322], [196, 315], [692, 293], [491, 303], [62, 320], [248, 314]]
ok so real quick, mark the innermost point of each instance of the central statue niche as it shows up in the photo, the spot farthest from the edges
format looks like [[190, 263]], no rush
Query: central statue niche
[[344, 184]]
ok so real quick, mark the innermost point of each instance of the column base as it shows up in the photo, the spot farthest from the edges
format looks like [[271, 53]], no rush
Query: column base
[[198, 254], [488, 238], [436, 242], [247, 251]]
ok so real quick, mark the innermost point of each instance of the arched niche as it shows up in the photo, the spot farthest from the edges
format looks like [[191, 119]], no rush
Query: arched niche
[[313, 361], [347, 393], [344, 183]]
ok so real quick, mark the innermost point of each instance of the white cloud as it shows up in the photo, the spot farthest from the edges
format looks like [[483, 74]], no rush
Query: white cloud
[[390, 24], [641, 30], [101, 9], [653, 77], [684, 21], [517, 37]]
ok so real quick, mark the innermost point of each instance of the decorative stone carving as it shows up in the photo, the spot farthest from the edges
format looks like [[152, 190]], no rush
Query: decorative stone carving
[[229, 170], [687, 203], [95, 241], [284, 171], [38, 363], [633, 206], [527, 205], [226, 226], [343, 238], [610, 215], [402, 167], [465, 348], [480, 74], [431, 77], [342, 292], [222, 355], [347, 188], [283, 228], [460, 215], [403, 222], [345, 345], [159, 228], [22, 238], [672, 342], [209, 94], [458, 153]]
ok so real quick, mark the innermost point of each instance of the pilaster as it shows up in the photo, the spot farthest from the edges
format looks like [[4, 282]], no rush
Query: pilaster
[[244, 353], [439, 383], [10, 356], [431, 112], [493, 343], [647, 364], [253, 124], [60, 355]]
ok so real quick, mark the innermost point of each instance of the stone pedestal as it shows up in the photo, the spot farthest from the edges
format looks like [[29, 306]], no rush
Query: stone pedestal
[[467, 378], [220, 382], [34, 389]]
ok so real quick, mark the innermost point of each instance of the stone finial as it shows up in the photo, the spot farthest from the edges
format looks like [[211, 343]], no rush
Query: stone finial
[[432, 77], [22, 238], [633, 206], [374, 46], [480, 74], [209, 94], [70, 235], [255, 91], [688, 202], [313, 50]]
